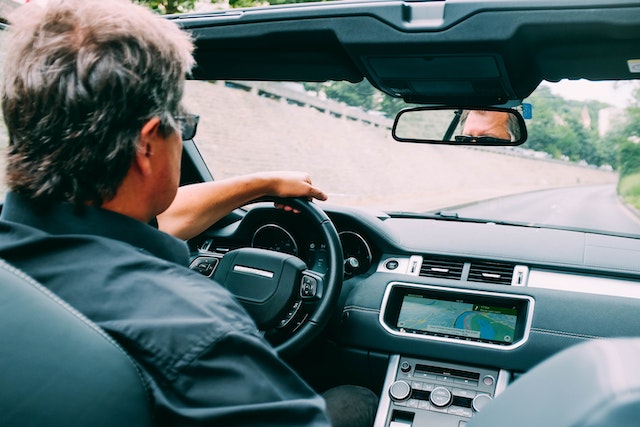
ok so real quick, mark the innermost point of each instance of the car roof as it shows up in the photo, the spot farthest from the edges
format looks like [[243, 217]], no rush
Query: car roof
[[490, 52]]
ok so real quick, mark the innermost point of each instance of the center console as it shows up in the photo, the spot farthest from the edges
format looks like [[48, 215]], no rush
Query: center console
[[420, 392]]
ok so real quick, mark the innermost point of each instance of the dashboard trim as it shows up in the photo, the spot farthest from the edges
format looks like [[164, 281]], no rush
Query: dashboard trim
[[515, 345], [385, 400], [581, 283]]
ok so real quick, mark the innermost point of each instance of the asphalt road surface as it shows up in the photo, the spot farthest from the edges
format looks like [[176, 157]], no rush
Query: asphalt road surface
[[594, 207]]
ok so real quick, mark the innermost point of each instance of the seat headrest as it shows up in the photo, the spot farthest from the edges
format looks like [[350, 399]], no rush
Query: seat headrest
[[59, 368], [594, 384]]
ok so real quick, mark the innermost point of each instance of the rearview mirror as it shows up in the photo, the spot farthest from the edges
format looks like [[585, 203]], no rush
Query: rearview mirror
[[460, 126]]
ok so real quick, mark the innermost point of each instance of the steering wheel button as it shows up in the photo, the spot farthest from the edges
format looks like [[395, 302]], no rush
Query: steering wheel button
[[309, 287]]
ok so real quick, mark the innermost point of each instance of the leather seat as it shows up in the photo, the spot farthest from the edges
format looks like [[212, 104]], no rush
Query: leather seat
[[58, 368], [594, 384]]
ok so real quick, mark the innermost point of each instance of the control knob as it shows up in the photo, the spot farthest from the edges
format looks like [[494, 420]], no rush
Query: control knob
[[480, 401], [440, 397], [400, 390]]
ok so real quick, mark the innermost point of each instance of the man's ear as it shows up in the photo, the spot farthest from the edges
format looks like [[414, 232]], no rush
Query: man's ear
[[149, 135]]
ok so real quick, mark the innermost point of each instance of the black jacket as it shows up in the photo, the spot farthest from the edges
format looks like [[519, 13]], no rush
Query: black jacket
[[203, 357]]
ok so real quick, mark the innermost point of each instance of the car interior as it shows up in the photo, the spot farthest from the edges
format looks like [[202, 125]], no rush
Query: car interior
[[352, 302]]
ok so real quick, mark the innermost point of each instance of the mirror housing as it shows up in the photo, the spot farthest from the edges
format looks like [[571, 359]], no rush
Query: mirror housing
[[485, 126]]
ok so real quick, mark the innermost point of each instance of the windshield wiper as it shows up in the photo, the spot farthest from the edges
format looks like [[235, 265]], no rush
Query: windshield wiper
[[454, 216]]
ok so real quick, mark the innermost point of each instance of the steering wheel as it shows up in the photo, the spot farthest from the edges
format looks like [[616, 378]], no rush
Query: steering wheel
[[273, 286]]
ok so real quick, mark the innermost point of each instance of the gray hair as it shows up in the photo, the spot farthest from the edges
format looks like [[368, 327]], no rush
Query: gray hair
[[81, 78]]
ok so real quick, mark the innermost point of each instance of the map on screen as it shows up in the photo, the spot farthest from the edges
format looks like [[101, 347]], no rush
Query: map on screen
[[457, 318]]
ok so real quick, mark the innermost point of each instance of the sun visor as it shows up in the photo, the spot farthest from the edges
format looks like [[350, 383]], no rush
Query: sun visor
[[438, 79]]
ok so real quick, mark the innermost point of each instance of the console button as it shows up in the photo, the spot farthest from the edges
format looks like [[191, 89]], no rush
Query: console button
[[459, 411], [488, 380], [461, 392], [392, 264], [440, 397]]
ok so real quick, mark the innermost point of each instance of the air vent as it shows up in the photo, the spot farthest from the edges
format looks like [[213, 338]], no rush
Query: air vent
[[442, 268], [491, 272]]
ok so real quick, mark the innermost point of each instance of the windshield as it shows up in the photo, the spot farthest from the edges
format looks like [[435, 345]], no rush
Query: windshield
[[579, 169], [567, 174]]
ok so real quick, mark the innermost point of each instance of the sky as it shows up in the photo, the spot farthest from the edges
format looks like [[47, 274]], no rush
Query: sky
[[618, 94]]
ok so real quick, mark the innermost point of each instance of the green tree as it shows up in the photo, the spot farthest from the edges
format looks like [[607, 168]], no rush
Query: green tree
[[169, 6], [629, 139], [632, 128], [362, 95], [629, 158], [250, 3], [568, 129], [181, 6]]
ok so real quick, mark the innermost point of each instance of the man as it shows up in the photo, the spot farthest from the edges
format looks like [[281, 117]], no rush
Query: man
[[92, 102], [489, 123]]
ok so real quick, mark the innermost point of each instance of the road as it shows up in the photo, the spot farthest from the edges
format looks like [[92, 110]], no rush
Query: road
[[594, 207]]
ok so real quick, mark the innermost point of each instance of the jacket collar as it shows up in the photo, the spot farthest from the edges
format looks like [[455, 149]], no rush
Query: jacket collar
[[61, 218]]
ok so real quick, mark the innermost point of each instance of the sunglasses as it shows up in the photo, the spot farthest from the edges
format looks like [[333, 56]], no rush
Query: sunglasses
[[188, 125]]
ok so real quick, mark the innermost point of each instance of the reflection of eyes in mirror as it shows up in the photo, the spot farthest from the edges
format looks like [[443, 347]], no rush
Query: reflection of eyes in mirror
[[496, 125]]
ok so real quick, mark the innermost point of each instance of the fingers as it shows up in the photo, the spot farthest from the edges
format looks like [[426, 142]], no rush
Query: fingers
[[286, 208], [296, 184], [312, 191], [316, 193]]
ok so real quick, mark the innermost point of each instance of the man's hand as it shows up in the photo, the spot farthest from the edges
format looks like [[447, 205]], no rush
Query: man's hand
[[293, 184]]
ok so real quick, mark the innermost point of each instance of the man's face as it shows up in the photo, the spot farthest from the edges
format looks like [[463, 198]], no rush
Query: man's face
[[169, 156], [487, 123]]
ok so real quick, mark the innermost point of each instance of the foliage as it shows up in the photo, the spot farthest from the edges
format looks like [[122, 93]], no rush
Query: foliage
[[629, 139], [568, 129], [252, 3], [629, 158], [169, 6], [180, 6], [629, 189], [361, 95]]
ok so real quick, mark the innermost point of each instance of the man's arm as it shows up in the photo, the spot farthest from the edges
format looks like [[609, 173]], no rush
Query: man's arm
[[198, 206]]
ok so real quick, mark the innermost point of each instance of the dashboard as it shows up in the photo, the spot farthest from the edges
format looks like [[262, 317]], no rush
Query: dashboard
[[424, 300], [265, 227]]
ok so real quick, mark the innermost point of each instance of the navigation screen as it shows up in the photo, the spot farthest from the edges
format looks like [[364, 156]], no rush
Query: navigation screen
[[457, 318]]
